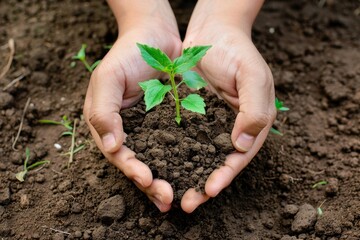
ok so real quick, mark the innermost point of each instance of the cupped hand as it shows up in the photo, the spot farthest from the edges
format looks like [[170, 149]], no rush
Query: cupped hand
[[237, 73], [113, 86]]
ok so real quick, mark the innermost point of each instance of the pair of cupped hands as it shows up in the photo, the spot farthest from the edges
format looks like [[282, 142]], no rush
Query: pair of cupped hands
[[234, 70]]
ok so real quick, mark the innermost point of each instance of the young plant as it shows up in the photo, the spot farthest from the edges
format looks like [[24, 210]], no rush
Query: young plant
[[155, 91], [21, 175], [280, 107], [70, 132], [318, 184], [81, 55]]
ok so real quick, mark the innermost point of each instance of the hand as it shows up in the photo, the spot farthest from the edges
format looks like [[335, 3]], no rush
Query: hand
[[238, 74], [114, 85]]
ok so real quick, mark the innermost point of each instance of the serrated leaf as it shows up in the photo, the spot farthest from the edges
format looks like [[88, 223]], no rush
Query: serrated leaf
[[190, 57], [155, 57], [193, 80], [194, 103], [154, 92]]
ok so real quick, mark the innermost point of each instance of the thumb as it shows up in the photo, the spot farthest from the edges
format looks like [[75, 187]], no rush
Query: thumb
[[105, 96], [256, 108]]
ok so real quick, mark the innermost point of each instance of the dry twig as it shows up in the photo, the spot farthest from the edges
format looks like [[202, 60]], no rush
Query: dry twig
[[21, 124]]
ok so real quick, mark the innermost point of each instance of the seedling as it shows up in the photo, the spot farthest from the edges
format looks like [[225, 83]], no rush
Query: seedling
[[319, 184], [21, 175], [64, 122], [155, 91], [70, 132], [81, 55], [280, 107]]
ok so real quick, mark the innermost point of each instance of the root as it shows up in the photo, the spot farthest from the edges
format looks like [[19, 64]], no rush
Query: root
[[21, 124], [11, 46]]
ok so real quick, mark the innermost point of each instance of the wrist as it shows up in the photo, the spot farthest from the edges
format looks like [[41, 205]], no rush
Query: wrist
[[130, 14], [233, 13]]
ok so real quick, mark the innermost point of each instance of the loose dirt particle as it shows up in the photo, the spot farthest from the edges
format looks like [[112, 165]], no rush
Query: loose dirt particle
[[305, 219], [111, 209]]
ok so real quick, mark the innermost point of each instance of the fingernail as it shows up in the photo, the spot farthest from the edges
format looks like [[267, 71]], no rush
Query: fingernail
[[108, 141], [244, 142], [159, 197], [158, 202], [139, 181]]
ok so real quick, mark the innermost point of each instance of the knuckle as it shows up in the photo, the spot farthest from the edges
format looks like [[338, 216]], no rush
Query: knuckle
[[97, 120], [259, 120]]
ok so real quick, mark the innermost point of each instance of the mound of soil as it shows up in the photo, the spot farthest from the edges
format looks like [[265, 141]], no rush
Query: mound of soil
[[183, 155], [311, 48]]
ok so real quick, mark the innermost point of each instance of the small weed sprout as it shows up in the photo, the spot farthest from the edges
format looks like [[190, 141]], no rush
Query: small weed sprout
[[318, 184], [21, 175], [65, 122], [279, 107], [81, 56], [155, 91]]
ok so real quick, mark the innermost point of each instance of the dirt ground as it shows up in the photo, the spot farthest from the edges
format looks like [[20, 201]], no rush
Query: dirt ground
[[312, 48]]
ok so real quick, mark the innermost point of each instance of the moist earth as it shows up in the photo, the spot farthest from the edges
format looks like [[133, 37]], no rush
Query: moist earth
[[312, 50], [183, 155]]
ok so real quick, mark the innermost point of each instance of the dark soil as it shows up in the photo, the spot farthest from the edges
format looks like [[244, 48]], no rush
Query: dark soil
[[313, 51], [183, 155]]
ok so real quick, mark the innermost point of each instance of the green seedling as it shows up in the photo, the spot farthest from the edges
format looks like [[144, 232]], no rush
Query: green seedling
[[64, 122], [21, 175], [318, 184], [279, 107], [70, 132], [81, 55], [155, 91]]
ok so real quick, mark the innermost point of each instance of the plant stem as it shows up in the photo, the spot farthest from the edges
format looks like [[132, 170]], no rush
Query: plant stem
[[86, 65], [72, 144], [176, 96]]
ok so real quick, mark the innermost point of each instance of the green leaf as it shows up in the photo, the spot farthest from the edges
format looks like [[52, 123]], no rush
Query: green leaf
[[190, 57], [194, 103], [94, 65], [280, 105], [81, 54], [319, 184], [276, 132], [67, 133], [38, 164], [154, 92], [155, 57], [193, 80]]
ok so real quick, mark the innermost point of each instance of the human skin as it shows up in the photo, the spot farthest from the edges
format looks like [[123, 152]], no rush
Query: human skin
[[238, 74], [243, 80]]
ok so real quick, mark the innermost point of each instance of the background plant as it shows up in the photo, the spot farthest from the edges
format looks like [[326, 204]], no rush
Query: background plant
[[81, 56], [21, 175], [71, 127], [279, 107], [155, 91]]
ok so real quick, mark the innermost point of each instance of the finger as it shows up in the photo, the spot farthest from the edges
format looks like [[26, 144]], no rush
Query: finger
[[256, 105], [123, 158], [160, 193], [104, 103], [234, 164], [193, 199]]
